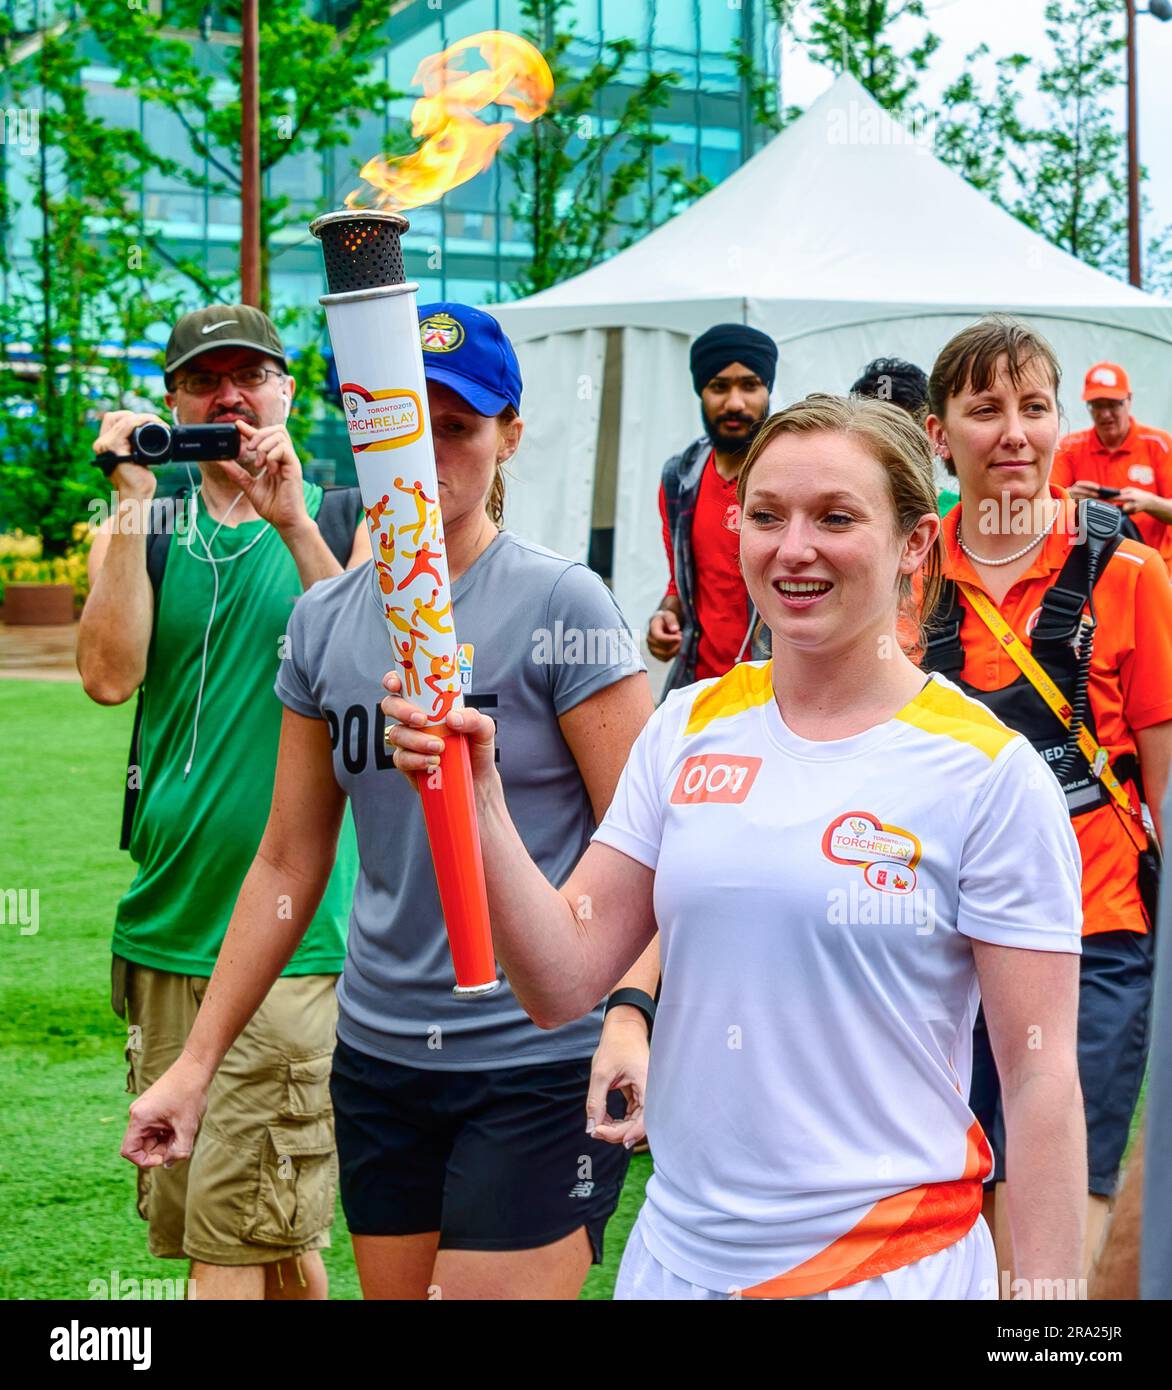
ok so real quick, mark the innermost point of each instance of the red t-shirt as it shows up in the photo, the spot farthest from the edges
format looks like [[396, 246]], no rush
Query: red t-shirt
[[722, 602]]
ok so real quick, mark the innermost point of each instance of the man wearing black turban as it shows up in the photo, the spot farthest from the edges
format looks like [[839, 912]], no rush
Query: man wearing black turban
[[705, 622]]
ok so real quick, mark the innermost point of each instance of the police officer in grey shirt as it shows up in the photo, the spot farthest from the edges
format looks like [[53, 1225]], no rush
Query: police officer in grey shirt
[[478, 1154]]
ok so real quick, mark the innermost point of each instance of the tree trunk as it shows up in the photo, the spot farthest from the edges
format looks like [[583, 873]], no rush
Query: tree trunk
[[1076, 172], [265, 264], [52, 462]]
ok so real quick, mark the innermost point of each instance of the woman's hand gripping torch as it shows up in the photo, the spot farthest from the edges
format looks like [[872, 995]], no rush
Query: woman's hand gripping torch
[[374, 331]]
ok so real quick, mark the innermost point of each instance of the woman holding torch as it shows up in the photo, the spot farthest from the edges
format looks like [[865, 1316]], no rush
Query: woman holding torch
[[467, 1163], [841, 856]]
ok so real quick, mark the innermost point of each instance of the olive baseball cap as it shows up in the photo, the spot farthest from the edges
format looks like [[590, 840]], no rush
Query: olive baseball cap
[[222, 325]]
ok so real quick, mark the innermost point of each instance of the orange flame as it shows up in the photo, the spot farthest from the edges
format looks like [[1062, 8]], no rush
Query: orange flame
[[456, 146]]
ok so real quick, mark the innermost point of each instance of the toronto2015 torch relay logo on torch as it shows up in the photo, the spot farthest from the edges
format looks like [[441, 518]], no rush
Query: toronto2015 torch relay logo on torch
[[378, 344], [381, 419]]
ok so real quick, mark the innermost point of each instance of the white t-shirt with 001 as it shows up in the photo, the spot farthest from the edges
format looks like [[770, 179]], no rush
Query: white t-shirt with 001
[[816, 901]]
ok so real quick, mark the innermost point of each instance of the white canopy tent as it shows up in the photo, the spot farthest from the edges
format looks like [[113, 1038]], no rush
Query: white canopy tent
[[846, 239]]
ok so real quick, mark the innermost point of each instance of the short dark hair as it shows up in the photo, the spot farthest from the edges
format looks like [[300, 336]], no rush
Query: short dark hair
[[971, 358], [892, 379]]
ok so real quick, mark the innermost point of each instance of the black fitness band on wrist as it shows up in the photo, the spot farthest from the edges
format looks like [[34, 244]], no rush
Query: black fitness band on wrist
[[638, 999]]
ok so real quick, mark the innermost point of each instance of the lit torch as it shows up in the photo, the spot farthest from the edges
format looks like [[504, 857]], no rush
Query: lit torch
[[374, 328], [456, 146]]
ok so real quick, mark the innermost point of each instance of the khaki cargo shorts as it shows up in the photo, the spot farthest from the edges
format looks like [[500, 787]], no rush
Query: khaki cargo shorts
[[259, 1186]]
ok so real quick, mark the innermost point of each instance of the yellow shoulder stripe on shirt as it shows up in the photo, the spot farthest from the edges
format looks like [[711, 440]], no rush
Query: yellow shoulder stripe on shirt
[[742, 688], [938, 710]]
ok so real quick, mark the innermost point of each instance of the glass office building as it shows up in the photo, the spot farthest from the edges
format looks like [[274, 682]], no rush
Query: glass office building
[[469, 246]]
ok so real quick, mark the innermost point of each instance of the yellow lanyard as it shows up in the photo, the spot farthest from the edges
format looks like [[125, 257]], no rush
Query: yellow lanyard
[[1096, 756]]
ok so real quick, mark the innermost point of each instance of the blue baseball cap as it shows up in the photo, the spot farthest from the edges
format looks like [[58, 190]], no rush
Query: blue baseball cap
[[466, 349]]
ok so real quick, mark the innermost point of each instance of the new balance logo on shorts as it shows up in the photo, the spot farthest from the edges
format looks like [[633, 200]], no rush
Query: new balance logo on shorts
[[581, 1189]]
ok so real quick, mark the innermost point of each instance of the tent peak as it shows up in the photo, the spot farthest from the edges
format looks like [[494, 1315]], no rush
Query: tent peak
[[850, 206]]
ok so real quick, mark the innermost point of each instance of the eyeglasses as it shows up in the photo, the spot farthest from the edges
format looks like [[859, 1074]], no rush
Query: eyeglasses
[[204, 383]]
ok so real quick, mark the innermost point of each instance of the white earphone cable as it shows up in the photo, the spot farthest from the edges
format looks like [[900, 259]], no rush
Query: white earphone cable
[[209, 559]]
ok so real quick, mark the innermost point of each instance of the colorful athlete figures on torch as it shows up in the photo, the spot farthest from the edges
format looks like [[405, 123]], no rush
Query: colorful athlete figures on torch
[[376, 513], [443, 668], [423, 558], [422, 501], [428, 612]]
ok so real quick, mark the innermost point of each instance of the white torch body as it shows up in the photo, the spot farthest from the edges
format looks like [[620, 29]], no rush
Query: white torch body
[[375, 335]]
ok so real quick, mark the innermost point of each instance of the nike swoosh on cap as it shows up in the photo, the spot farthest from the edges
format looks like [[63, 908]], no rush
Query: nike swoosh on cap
[[211, 327]]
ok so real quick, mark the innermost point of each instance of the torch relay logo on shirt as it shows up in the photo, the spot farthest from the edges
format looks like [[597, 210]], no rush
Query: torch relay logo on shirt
[[858, 837], [887, 855]]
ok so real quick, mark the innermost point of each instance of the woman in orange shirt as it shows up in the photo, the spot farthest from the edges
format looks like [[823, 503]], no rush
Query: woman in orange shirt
[[1022, 559]]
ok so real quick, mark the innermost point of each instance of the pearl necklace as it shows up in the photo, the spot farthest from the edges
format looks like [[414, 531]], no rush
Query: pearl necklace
[[1009, 559]]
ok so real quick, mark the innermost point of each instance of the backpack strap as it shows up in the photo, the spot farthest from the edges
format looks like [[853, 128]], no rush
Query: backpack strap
[[133, 770], [158, 545], [942, 649], [1062, 606], [337, 519]]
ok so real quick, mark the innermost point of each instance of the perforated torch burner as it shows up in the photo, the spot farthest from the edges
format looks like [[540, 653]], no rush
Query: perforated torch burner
[[362, 248]]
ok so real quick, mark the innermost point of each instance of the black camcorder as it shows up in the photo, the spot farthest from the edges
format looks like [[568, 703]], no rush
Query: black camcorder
[[155, 443]]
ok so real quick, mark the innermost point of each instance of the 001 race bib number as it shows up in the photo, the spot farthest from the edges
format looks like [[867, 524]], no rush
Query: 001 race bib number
[[720, 778]]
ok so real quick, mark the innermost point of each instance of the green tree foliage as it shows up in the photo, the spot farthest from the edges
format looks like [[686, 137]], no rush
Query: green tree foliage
[[78, 299], [981, 133], [1066, 176], [761, 87], [1073, 188], [856, 36], [317, 82], [585, 171]]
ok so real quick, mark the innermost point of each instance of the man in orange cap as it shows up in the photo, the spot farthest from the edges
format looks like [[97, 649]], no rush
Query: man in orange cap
[[1120, 460]]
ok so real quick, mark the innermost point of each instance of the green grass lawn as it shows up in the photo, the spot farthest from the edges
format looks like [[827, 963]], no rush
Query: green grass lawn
[[67, 1213]]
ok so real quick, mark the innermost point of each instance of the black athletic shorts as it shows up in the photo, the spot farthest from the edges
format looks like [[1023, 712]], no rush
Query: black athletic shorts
[[493, 1160], [1114, 1003]]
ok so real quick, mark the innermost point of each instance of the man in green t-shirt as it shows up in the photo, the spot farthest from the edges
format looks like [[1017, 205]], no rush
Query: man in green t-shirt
[[252, 1207]]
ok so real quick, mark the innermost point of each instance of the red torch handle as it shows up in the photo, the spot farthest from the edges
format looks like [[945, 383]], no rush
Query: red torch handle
[[449, 810]]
